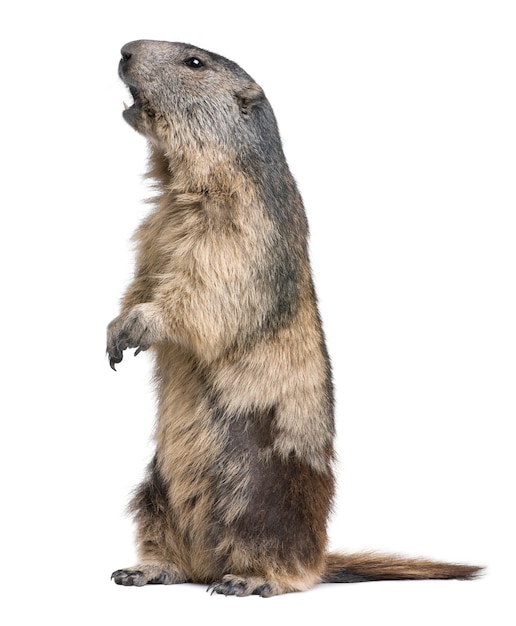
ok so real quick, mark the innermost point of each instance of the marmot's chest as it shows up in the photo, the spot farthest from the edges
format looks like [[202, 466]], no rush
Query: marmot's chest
[[167, 243]]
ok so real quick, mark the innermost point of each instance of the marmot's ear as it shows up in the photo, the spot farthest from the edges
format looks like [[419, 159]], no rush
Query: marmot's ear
[[248, 96]]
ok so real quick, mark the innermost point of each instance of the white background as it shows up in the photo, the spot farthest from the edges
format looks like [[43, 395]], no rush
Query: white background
[[398, 121]]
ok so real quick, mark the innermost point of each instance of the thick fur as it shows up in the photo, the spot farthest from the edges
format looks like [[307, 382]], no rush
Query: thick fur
[[240, 489]]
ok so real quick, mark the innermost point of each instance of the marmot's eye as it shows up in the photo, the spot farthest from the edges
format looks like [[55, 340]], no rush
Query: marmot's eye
[[194, 63]]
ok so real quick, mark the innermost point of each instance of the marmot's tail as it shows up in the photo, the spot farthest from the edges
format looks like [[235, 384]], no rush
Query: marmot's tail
[[368, 566]]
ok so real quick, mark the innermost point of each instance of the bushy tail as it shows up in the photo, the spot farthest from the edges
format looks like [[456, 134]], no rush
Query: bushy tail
[[368, 566]]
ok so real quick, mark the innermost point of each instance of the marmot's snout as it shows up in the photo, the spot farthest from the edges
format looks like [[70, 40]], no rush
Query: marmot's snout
[[130, 73], [134, 56]]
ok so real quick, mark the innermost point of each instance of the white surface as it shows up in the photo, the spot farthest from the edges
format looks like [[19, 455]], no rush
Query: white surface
[[398, 122]]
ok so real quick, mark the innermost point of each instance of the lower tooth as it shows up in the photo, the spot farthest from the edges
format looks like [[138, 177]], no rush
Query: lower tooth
[[125, 106]]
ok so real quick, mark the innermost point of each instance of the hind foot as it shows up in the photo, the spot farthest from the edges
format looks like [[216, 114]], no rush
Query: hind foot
[[231, 585], [147, 574]]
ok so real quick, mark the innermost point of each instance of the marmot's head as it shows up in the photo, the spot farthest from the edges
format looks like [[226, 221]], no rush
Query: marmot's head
[[187, 97]]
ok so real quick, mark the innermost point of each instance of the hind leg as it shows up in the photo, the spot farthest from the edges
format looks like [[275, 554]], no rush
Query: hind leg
[[234, 585], [154, 537], [277, 544]]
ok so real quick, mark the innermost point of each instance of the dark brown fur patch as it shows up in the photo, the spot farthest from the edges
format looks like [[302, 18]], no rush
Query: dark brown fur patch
[[289, 505], [289, 501], [150, 499]]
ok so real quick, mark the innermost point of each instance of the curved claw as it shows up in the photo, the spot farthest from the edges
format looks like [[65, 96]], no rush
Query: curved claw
[[115, 357], [228, 588], [141, 348]]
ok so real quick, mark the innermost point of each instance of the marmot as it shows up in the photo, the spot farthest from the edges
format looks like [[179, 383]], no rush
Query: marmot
[[241, 485]]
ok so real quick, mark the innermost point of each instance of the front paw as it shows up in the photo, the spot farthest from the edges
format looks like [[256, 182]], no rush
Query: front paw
[[140, 328]]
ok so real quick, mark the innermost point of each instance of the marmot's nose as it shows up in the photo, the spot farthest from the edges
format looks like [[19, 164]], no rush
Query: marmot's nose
[[129, 49], [127, 53]]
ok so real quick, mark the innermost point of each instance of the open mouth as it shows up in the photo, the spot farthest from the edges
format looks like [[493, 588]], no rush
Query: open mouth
[[138, 99]]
